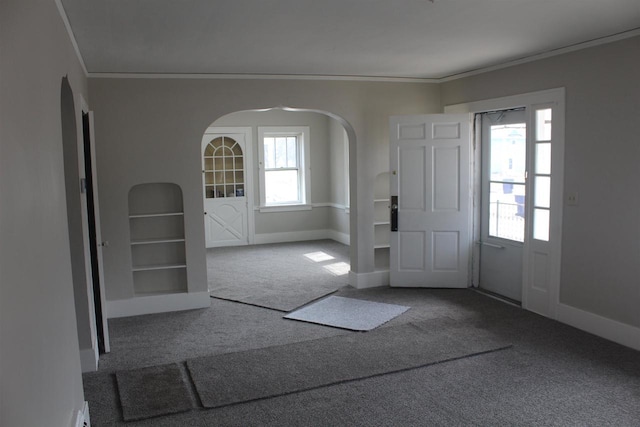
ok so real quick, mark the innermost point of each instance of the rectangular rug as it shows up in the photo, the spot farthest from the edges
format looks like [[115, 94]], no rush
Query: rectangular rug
[[230, 378], [153, 391], [347, 313]]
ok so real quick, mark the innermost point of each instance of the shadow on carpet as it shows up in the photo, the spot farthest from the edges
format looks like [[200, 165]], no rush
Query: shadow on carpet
[[231, 378]]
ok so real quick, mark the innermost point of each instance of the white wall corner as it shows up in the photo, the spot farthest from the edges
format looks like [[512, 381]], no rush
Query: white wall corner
[[89, 359], [612, 330], [369, 280], [157, 304], [343, 238]]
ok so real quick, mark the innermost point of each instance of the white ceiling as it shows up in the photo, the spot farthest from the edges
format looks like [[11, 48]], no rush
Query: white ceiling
[[371, 38]]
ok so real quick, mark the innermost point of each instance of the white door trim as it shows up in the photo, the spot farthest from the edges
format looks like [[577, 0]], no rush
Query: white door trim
[[247, 131], [530, 101]]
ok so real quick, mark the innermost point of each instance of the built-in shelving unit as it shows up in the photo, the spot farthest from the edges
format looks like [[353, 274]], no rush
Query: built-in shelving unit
[[382, 222], [158, 257]]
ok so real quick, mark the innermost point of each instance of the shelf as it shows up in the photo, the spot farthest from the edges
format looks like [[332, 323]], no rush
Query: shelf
[[158, 252], [157, 241], [158, 267], [156, 215]]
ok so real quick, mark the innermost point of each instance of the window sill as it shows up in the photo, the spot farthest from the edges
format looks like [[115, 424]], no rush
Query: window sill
[[284, 208]]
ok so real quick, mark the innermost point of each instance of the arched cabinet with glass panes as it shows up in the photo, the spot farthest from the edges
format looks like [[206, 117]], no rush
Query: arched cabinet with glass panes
[[223, 168]]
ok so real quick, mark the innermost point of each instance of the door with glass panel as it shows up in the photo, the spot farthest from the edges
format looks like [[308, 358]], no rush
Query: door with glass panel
[[226, 189], [503, 195]]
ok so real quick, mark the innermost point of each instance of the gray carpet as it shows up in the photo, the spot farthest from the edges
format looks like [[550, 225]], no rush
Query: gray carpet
[[151, 392], [347, 313], [554, 375], [281, 276], [280, 370]]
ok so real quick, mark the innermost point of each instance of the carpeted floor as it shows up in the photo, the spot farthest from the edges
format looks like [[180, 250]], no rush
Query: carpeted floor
[[281, 276], [552, 375]]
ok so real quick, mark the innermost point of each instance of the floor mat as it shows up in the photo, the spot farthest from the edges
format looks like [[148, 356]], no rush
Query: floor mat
[[154, 391], [230, 378], [347, 313]]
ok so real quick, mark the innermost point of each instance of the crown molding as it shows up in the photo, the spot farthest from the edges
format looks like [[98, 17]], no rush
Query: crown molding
[[214, 76], [543, 55], [72, 37]]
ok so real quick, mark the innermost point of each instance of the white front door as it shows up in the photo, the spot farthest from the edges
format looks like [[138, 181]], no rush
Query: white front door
[[503, 209], [227, 186], [430, 200]]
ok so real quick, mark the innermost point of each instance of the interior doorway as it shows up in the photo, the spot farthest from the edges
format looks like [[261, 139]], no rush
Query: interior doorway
[[503, 209]]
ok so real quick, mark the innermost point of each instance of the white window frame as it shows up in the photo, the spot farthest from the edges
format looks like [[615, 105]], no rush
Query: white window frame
[[302, 133]]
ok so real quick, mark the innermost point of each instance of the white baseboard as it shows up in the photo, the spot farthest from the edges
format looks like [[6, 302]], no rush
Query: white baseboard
[[89, 359], [612, 330], [343, 238], [82, 417], [369, 280], [294, 236], [157, 304]]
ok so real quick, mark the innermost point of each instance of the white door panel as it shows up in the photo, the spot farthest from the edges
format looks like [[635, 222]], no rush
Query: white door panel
[[227, 188], [430, 160]]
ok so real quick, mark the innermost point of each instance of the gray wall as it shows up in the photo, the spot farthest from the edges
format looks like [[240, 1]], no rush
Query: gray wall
[[327, 166], [149, 130], [601, 236], [41, 382]]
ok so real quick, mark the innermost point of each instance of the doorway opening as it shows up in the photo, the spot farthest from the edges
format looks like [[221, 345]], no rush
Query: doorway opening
[[543, 199], [503, 148], [277, 177]]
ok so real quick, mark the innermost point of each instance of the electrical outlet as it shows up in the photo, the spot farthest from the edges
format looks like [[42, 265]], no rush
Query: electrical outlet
[[572, 199]]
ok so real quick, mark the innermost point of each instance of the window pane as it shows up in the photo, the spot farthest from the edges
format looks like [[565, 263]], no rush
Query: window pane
[[269, 153], [506, 211], [542, 192], [281, 186], [292, 152], [281, 152], [508, 152], [543, 125], [541, 224], [543, 158]]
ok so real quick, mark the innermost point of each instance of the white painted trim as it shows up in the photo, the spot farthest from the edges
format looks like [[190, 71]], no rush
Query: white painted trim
[[374, 279], [82, 418], [214, 76], [89, 359], [284, 208], [306, 207], [612, 330], [343, 238], [293, 236], [555, 98], [543, 55], [531, 58], [157, 304], [72, 37]]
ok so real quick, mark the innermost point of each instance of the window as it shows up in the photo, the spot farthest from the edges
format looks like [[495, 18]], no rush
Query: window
[[284, 164], [542, 175]]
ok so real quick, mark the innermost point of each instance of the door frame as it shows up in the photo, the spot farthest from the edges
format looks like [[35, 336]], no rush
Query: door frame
[[99, 334], [547, 305], [247, 131]]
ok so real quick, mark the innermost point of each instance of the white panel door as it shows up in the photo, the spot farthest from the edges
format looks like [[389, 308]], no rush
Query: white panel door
[[227, 189], [431, 197]]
